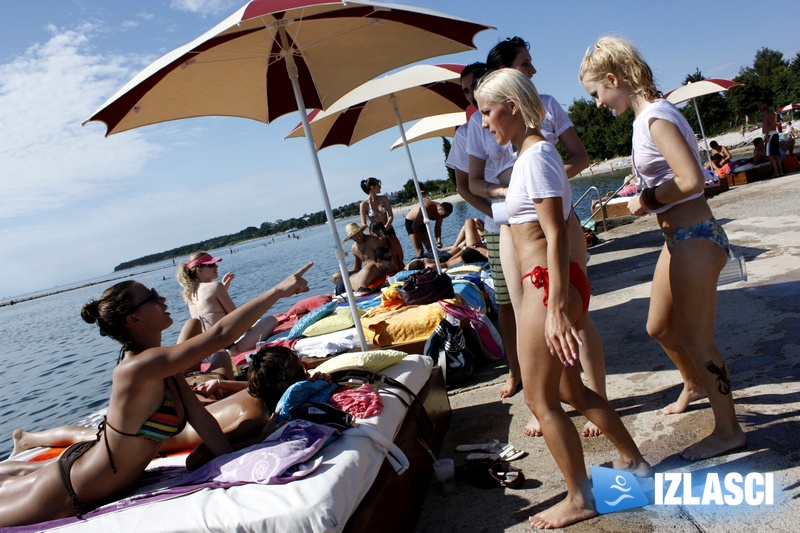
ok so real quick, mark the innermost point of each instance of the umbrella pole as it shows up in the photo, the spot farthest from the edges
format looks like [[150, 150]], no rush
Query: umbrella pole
[[703, 133], [426, 220], [340, 255]]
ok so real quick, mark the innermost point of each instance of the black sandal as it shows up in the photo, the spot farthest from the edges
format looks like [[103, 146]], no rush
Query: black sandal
[[488, 474], [507, 475]]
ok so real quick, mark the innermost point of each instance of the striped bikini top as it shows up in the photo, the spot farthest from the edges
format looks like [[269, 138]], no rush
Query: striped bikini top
[[163, 423]]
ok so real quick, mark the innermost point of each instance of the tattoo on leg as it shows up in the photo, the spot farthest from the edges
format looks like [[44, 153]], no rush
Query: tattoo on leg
[[723, 379]]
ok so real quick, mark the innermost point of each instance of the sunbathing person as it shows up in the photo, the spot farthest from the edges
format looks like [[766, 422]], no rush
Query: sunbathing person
[[243, 417], [371, 261], [147, 385], [471, 225], [720, 169], [209, 301], [723, 151]]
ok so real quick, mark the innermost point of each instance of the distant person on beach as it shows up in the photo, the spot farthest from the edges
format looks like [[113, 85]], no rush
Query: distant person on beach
[[555, 294], [469, 248], [514, 53], [769, 127], [629, 188], [371, 261], [759, 151], [377, 208], [415, 224], [150, 401], [719, 168], [723, 151], [209, 301], [683, 301], [241, 416]]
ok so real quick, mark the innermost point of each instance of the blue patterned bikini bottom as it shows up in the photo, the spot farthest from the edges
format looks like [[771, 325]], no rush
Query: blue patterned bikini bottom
[[708, 229]]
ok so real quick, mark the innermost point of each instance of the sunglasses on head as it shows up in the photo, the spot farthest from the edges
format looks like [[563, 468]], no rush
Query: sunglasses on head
[[152, 297], [207, 265]]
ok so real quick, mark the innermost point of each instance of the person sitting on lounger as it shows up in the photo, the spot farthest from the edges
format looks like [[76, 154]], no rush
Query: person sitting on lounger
[[474, 250], [208, 300], [720, 169], [722, 151], [371, 261]]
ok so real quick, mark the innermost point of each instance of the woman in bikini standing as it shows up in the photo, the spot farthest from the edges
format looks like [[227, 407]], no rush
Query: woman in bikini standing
[[683, 299], [209, 301], [150, 401], [376, 208], [555, 294]]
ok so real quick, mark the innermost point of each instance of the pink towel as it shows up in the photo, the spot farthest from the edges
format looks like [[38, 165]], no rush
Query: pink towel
[[363, 402]]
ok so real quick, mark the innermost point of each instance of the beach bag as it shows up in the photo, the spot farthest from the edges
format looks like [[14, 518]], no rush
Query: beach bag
[[491, 342], [323, 414], [448, 348], [425, 287]]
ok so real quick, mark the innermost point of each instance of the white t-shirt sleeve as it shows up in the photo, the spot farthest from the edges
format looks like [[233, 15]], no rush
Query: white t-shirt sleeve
[[556, 121], [458, 158]]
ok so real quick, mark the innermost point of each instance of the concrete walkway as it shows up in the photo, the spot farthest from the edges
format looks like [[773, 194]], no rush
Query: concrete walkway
[[758, 332]]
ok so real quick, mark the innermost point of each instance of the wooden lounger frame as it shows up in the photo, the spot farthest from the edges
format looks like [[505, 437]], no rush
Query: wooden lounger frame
[[393, 503]]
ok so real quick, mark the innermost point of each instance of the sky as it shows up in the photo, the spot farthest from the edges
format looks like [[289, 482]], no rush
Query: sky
[[74, 204]]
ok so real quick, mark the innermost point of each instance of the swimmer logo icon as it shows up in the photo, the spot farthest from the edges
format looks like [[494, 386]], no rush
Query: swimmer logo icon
[[616, 490]]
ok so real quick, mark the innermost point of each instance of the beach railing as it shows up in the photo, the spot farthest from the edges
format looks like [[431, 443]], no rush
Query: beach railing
[[599, 199]]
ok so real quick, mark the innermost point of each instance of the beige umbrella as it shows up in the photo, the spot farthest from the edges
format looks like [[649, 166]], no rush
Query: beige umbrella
[[436, 126], [692, 90], [273, 57], [378, 104]]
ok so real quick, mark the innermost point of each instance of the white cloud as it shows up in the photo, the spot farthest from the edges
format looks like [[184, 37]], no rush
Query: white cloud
[[204, 7], [48, 160]]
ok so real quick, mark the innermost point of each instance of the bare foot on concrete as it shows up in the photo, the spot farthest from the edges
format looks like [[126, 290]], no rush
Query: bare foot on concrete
[[510, 387], [688, 395], [562, 514], [590, 430], [533, 428], [715, 444], [639, 468], [18, 437]]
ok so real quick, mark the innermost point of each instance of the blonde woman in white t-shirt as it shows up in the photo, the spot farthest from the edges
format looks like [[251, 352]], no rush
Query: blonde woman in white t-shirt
[[683, 301], [555, 295]]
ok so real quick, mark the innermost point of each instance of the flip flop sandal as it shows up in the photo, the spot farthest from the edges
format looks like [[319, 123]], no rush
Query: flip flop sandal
[[492, 446], [506, 475], [507, 453]]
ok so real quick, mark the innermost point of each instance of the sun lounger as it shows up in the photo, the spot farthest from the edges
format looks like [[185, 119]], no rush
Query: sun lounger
[[352, 481]]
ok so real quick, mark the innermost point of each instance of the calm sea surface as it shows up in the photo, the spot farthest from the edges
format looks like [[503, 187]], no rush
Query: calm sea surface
[[57, 368]]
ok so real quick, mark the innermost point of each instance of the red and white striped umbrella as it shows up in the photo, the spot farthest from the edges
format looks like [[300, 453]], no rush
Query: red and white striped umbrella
[[272, 57]]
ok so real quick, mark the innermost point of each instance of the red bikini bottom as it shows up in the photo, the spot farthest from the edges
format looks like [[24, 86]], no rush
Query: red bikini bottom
[[540, 278]]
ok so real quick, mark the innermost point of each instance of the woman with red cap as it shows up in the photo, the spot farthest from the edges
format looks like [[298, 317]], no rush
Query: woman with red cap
[[208, 300]]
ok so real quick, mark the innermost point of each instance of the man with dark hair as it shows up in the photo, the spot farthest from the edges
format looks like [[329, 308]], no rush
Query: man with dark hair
[[415, 224]]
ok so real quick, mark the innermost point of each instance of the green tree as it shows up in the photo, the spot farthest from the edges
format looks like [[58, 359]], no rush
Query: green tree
[[604, 135]]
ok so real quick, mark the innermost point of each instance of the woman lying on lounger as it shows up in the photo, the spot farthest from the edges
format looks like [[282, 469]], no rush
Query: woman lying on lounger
[[150, 402]]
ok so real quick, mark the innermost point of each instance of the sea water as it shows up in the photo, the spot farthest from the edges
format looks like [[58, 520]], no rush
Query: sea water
[[57, 368]]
